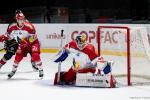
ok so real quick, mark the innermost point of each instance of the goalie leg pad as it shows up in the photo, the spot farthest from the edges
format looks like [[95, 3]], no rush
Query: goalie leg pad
[[87, 70], [94, 80], [70, 76], [107, 68], [66, 78], [61, 78]]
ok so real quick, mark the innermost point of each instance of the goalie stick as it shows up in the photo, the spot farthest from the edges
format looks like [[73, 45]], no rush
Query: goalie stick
[[59, 64]]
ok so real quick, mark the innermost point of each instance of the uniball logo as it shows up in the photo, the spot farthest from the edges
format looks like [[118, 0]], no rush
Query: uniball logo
[[54, 36]]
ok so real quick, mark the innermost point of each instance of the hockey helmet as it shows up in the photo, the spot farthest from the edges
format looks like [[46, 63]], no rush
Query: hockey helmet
[[19, 15]]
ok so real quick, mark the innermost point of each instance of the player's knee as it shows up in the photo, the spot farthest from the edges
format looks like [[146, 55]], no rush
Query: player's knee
[[8, 56], [18, 57], [36, 57]]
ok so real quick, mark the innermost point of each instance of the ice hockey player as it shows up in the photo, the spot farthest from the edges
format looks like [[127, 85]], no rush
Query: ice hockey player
[[11, 46], [85, 60], [25, 34]]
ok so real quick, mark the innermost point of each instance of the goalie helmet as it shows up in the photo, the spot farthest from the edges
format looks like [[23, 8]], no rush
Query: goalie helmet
[[81, 40]]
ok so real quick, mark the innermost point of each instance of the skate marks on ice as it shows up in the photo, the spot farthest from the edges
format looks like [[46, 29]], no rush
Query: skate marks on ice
[[49, 84], [7, 72], [26, 75]]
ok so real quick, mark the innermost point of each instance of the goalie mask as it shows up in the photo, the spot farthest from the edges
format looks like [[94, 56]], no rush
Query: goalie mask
[[81, 41]]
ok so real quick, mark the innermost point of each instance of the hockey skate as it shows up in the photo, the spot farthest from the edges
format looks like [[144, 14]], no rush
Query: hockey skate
[[34, 67], [41, 74], [1, 66], [11, 74]]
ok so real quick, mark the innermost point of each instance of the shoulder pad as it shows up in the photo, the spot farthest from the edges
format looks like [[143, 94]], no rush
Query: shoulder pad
[[29, 25], [11, 25]]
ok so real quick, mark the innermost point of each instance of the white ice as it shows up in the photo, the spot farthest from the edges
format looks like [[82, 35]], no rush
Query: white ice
[[25, 85]]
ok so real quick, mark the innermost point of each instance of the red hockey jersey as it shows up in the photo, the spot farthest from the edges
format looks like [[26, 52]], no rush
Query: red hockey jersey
[[88, 49], [26, 32]]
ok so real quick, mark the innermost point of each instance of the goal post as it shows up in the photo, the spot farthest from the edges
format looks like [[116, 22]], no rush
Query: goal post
[[124, 45]]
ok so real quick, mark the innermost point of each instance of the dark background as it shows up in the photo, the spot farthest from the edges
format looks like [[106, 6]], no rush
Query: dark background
[[78, 11]]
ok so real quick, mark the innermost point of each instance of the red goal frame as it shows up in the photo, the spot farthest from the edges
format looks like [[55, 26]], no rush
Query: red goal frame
[[128, 47]]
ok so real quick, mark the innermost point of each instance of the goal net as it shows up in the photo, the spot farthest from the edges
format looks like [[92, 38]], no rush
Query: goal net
[[129, 48]]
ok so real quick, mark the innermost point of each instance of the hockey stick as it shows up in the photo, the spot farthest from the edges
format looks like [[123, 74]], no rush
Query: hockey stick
[[59, 64], [2, 49]]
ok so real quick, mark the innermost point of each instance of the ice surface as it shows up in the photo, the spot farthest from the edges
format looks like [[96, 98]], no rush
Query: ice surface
[[25, 85]]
